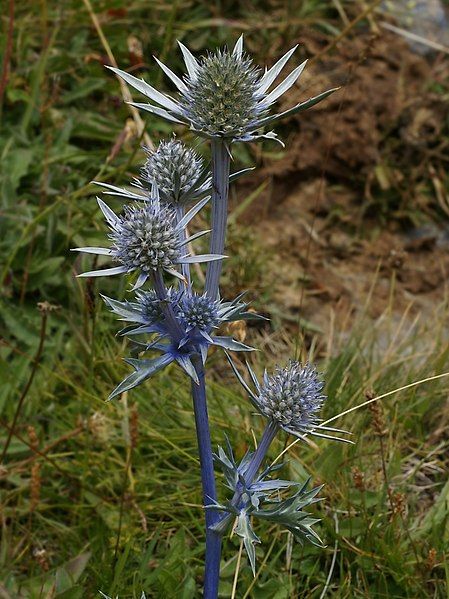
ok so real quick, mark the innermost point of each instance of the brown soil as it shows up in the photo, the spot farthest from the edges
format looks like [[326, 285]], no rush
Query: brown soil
[[334, 270], [358, 195]]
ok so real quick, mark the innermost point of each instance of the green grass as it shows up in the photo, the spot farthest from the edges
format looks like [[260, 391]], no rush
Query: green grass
[[97, 495]]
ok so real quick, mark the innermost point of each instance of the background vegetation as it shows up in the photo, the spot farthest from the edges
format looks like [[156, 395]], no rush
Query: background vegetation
[[106, 496]]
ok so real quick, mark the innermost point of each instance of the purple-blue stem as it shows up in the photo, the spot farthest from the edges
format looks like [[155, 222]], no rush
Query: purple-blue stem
[[258, 457], [174, 326], [185, 267], [213, 540], [220, 190]]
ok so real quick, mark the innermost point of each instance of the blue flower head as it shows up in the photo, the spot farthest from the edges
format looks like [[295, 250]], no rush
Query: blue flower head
[[178, 171], [199, 312], [223, 95], [291, 398], [198, 317], [147, 237]]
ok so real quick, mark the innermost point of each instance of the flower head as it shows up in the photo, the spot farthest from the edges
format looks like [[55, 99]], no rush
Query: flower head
[[291, 398], [223, 94], [178, 171], [145, 238], [151, 307], [199, 312]]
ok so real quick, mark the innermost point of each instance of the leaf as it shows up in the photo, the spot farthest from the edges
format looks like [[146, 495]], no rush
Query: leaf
[[298, 108], [238, 48], [245, 531], [231, 344], [176, 80], [105, 272], [127, 310], [109, 215], [156, 110], [184, 221], [68, 574], [200, 258], [15, 165], [82, 90], [94, 250], [186, 364], [190, 61], [120, 191], [146, 89], [285, 85], [144, 369]]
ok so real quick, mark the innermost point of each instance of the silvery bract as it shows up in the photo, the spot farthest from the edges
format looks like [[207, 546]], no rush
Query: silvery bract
[[223, 95]]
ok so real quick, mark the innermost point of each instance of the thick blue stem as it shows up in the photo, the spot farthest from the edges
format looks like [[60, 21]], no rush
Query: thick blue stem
[[185, 267], [174, 326], [220, 190], [259, 455], [213, 540]]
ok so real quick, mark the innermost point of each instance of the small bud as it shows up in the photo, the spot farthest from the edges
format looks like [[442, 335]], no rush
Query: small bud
[[41, 557], [35, 486], [176, 169], [358, 478], [431, 559]]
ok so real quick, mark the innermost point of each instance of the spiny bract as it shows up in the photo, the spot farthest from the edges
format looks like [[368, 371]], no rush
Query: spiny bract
[[223, 95]]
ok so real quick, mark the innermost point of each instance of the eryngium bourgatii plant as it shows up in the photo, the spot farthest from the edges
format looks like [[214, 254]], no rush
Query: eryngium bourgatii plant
[[225, 98]]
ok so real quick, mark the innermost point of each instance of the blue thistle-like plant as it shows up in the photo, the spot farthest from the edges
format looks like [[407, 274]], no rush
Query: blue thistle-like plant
[[223, 95], [226, 98]]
